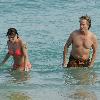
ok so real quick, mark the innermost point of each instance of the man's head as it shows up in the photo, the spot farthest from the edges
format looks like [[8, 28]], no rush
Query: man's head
[[85, 21]]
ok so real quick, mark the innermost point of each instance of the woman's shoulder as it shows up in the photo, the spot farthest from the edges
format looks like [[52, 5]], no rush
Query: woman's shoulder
[[22, 43]]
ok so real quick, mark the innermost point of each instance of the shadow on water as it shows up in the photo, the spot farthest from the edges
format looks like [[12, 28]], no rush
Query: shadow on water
[[11, 85], [18, 76], [79, 76], [78, 82], [18, 96], [82, 95], [13, 76]]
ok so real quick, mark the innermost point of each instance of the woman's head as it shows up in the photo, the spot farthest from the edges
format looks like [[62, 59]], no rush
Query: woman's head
[[12, 31], [12, 34]]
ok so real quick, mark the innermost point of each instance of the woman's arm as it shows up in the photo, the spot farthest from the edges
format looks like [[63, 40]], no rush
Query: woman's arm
[[25, 54], [5, 59], [6, 56]]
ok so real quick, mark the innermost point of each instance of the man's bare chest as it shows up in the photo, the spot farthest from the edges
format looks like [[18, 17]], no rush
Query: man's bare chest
[[82, 41]]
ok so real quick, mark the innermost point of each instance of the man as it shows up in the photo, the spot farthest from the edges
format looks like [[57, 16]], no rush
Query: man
[[82, 41]]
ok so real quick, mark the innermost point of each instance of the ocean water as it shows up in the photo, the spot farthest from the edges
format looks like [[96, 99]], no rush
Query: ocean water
[[45, 26]]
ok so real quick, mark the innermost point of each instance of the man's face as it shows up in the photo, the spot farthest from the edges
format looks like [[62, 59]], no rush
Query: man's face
[[84, 25]]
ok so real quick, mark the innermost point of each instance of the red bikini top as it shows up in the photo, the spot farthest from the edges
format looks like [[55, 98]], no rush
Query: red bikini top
[[15, 53]]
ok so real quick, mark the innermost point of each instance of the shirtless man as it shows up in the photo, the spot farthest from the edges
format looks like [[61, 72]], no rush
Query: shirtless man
[[82, 41]]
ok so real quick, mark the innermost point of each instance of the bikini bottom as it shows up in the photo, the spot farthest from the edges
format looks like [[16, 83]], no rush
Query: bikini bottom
[[21, 66]]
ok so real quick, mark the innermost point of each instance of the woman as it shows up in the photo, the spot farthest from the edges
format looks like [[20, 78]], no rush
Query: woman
[[18, 50]]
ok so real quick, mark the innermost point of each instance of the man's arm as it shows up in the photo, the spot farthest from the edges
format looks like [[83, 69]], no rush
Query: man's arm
[[94, 47], [68, 43]]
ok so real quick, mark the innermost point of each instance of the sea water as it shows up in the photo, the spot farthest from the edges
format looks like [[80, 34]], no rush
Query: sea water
[[45, 26]]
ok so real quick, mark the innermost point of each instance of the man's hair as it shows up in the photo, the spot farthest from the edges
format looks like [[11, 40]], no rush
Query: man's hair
[[86, 18]]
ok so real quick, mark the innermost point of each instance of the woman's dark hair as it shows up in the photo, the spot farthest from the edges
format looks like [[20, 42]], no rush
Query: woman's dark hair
[[12, 31]]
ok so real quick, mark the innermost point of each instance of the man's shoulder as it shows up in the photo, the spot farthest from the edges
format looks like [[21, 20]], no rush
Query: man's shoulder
[[93, 36], [75, 32]]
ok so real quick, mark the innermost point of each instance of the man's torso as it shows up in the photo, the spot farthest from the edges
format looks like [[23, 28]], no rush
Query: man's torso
[[81, 45]]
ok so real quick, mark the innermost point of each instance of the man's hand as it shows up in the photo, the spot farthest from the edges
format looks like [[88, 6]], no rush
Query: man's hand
[[90, 65], [26, 69], [64, 64]]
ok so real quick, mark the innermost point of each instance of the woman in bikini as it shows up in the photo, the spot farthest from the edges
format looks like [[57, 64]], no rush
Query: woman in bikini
[[18, 50]]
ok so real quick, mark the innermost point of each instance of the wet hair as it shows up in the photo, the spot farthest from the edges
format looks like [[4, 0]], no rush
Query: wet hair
[[12, 31], [86, 18]]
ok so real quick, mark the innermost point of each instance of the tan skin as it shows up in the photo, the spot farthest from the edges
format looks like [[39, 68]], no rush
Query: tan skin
[[82, 41], [16, 43]]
